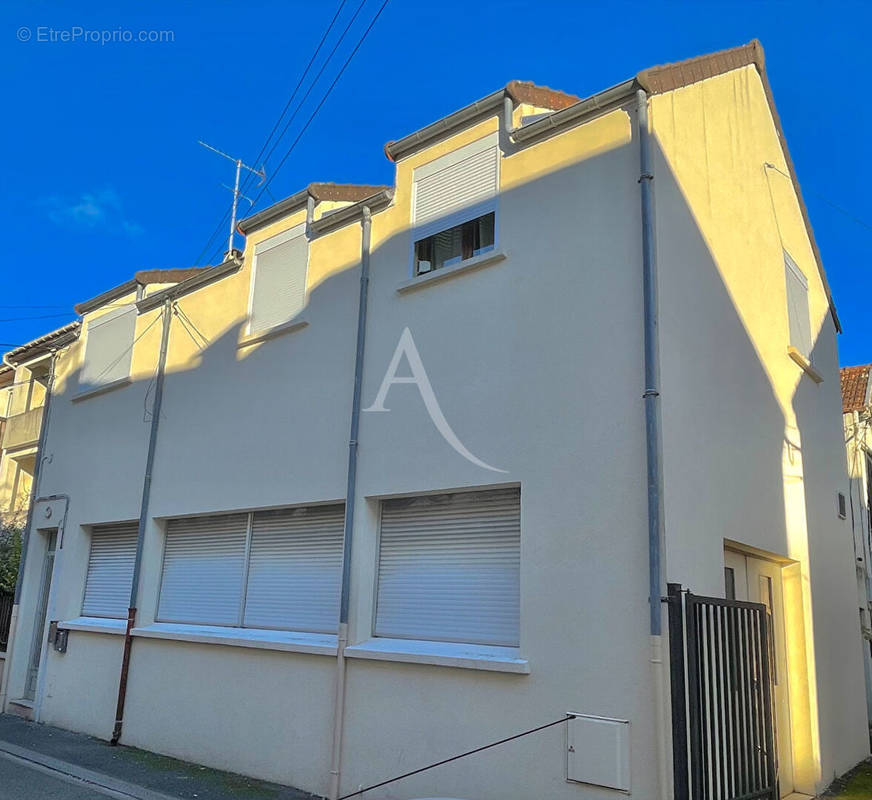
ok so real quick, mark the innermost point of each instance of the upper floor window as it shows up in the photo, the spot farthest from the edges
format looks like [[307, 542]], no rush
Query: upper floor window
[[797, 308], [449, 568], [108, 348], [454, 212], [278, 292], [268, 569]]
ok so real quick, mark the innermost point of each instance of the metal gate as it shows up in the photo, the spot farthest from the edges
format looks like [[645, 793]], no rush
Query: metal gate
[[723, 728]]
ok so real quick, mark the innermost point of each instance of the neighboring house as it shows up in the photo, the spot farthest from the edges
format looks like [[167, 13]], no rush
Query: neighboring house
[[23, 384], [857, 506], [509, 532]]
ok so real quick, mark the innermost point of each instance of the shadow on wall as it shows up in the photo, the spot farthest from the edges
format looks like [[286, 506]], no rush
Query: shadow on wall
[[572, 275]]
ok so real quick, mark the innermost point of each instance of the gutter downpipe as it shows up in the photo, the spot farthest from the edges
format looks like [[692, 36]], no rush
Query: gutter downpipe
[[350, 496], [653, 438], [143, 521], [25, 536]]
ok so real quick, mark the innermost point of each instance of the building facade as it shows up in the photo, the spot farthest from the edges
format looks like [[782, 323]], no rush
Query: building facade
[[459, 360]]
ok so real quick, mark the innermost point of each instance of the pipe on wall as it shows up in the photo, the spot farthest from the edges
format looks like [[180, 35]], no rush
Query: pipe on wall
[[350, 497], [653, 436], [143, 520], [25, 536]]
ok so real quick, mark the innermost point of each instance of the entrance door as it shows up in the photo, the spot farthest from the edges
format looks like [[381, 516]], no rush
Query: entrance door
[[40, 622], [759, 581]]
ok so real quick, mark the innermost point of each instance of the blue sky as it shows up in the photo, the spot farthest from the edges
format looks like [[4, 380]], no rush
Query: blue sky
[[102, 174]]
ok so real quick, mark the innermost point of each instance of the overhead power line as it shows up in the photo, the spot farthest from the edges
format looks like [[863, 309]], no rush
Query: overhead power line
[[38, 316], [278, 122], [320, 104]]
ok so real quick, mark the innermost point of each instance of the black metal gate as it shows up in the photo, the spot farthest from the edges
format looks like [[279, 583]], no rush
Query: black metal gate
[[723, 728]]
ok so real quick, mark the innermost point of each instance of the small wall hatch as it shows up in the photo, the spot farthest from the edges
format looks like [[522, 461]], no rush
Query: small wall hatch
[[598, 751]]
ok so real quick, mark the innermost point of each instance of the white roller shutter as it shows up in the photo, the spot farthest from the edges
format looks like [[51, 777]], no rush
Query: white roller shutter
[[279, 291], [203, 570], [456, 188], [108, 348], [110, 570], [797, 307], [449, 568], [295, 569]]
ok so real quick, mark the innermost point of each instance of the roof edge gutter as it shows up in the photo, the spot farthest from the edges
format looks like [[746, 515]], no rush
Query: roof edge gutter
[[275, 212], [101, 299], [355, 211], [193, 283], [596, 104]]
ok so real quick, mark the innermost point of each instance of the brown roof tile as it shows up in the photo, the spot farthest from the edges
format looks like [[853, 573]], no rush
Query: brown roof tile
[[343, 192], [855, 381], [166, 275], [540, 96]]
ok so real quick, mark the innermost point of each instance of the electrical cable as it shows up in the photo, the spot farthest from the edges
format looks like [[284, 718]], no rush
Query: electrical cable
[[455, 758], [147, 329]]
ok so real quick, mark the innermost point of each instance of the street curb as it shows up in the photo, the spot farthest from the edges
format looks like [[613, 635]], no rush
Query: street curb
[[72, 773]]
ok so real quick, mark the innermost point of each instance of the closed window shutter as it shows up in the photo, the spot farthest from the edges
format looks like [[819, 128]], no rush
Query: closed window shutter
[[797, 307], [295, 569], [279, 292], [456, 188], [108, 348], [203, 570], [110, 571], [449, 568]]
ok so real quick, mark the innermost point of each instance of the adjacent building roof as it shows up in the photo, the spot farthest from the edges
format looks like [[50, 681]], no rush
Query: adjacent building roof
[[141, 278], [855, 388]]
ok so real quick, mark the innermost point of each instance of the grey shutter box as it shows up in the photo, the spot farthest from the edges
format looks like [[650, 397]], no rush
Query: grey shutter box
[[797, 307], [295, 569], [279, 291], [203, 570], [449, 568], [108, 348], [456, 188], [110, 570]]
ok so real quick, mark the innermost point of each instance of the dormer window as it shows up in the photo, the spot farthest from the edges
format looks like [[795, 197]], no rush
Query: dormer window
[[454, 206]]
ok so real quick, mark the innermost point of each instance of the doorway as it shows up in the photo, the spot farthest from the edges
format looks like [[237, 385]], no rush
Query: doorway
[[40, 621], [757, 580]]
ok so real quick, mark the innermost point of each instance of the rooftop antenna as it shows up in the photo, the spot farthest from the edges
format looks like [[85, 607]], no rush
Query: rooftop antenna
[[240, 165]]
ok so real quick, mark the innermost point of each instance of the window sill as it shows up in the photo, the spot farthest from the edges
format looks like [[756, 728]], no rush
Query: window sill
[[805, 364], [442, 654], [106, 387], [316, 643], [95, 625], [261, 336], [428, 278]]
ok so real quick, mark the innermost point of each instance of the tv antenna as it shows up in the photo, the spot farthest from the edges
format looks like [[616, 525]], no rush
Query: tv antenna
[[240, 165]]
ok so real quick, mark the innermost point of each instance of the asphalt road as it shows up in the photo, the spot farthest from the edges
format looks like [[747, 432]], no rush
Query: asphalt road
[[21, 782]]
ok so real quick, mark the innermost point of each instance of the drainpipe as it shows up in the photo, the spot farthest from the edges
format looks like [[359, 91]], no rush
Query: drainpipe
[[653, 436], [350, 495], [143, 521], [25, 536]]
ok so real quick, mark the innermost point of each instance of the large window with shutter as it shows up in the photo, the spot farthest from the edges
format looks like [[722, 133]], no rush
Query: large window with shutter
[[268, 569], [278, 292], [797, 308], [454, 206], [110, 570], [449, 568], [108, 348]]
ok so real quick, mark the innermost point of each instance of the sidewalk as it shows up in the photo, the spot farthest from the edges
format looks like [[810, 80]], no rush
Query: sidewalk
[[125, 771]]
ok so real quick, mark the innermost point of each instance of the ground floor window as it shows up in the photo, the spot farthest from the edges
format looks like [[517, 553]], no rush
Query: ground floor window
[[110, 570], [267, 569], [449, 568]]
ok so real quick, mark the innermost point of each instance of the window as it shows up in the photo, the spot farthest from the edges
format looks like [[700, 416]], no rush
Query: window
[[449, 568], [269, 569], [455, 245], [278, 292], [454, 206], [110, 570], [108, 348], [797, 308]]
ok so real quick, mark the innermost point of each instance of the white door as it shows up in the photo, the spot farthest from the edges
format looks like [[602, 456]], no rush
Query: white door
[[759, 581]]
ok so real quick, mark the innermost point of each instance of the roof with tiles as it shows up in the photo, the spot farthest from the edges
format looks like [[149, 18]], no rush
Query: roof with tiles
[[855, 386]]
